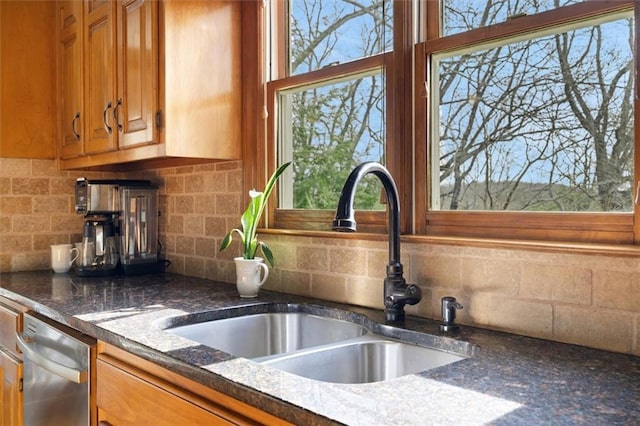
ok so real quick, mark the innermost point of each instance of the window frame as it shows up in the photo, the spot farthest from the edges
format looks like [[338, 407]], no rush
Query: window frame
[[619, 228], [398, 137], [408, 136]]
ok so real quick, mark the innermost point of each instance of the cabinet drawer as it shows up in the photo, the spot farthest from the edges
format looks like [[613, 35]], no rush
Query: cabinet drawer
[[127, 398], [10, 323]]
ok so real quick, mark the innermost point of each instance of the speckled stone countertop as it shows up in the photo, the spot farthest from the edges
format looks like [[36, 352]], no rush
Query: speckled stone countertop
[[508, 379]]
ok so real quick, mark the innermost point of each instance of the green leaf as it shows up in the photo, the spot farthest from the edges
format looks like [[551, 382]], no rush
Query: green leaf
[[267, 253]]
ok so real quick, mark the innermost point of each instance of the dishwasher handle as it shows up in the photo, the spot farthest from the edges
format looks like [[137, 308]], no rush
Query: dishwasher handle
[[69, 373]]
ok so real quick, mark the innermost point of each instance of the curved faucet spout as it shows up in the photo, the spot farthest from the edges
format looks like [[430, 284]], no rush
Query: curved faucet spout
[[396, 292]]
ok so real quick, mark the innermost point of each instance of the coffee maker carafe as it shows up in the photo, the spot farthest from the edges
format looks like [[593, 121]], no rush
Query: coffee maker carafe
[[98, 249]]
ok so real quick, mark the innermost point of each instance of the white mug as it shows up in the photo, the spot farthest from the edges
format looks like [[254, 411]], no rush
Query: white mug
[[248, 273], [61, 257]]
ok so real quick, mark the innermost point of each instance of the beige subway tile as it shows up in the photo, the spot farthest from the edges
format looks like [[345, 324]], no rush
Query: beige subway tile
[[558, 283], [215, 226], [15, 205], [526, 317], [194, 266], [216, 270], [177, 263], [617, 290], [377, 264], [13, 167], [44, 168], [30, 186], [349, 261], [206, 247], [227, 204], [49, 204], [5, 185], [228, 165], [214, 183], [32, 261], [184, 170], [42, 241], [174, 184], [329, 287], [310, 258], [5, 263], [185, 245], [437, 270], [176, 224], [194, 225], [5, 224], [597, 328], [495, 276], [205, 204], [295, 282], [194, 184], [184, 204], [235, 179], [62, 185], [63, 222], [31, 224], [15, 243], [285, 255], [365, 291]]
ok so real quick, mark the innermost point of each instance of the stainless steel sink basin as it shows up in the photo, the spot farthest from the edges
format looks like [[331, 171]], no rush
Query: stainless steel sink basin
[[260, 335], [365, 360], [316, 347]]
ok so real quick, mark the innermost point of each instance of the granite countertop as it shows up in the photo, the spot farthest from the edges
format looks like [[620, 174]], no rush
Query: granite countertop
[[509, 379]]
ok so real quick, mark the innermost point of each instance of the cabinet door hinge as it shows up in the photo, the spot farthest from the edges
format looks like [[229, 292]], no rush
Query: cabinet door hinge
[[159, 119]]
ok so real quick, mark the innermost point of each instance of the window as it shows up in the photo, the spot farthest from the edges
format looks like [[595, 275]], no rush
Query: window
[[503, 119], [532, 115], [328, 102]]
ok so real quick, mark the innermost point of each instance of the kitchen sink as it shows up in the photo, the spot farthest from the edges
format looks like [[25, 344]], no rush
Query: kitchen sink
[[366, 360], [259, 335], [316, 347]]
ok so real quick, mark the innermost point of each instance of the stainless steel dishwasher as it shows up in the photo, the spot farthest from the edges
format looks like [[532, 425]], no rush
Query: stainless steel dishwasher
[[58, 362]]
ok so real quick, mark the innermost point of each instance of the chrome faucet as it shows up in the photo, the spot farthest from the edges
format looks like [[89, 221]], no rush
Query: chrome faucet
[[397, 292]]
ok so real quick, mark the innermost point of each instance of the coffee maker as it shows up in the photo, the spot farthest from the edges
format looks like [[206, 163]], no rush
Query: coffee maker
[[120, 232]]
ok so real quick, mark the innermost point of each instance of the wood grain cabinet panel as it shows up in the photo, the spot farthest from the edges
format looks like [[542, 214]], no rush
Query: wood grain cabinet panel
[[27, 79], [131, 390], [70, 102], [11, 370], [10, 390], [161, 84]]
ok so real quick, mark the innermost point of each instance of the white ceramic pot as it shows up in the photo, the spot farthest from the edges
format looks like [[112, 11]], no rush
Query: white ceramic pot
[[248, 272]]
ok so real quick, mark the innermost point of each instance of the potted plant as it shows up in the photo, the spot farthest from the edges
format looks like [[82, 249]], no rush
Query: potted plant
[[248, 266]]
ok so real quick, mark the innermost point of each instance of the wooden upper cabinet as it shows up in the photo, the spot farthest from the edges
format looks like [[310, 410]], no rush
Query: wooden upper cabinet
[[162, 83], [70, 102], [100, 76], [138, 74], [27, 79]]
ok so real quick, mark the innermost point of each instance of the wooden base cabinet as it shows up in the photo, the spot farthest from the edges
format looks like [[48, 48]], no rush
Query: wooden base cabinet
[[131, 390], [11, 372], [161, 82]]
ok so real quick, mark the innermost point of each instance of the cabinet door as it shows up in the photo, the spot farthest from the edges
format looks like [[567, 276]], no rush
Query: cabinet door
[[138, 79], [70, 115], [11, 402], [99, 75]]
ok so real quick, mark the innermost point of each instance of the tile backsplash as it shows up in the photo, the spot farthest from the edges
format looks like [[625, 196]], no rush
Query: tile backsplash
[[584, 299]]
